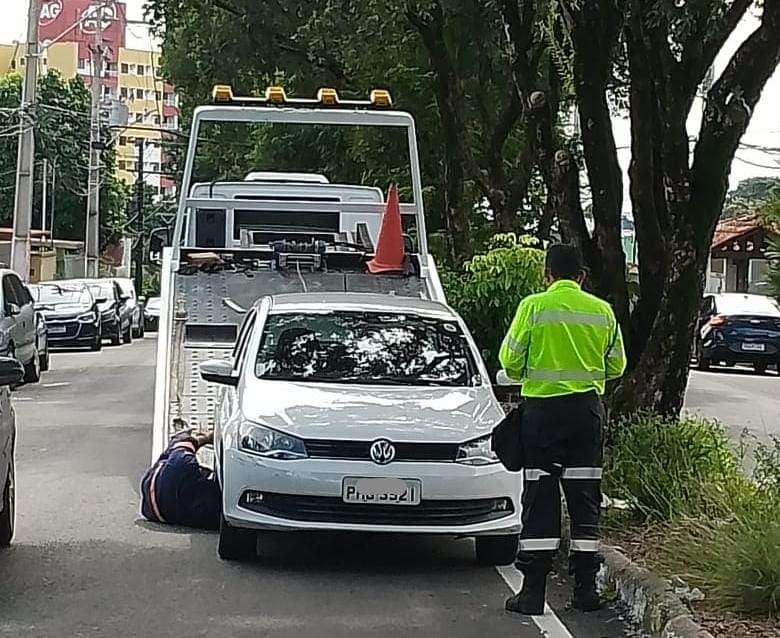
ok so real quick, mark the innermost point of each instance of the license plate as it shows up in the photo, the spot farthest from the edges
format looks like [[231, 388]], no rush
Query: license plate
[[754, 347], [57, 330], [381, 491]]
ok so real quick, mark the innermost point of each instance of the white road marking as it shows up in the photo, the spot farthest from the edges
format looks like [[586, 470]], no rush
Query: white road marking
[[549, 624], [59, 384]]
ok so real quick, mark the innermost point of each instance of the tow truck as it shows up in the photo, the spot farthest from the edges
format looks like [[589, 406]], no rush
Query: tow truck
[[297, 241]]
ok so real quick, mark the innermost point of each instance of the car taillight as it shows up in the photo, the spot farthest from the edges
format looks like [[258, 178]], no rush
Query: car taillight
[[718, 320]]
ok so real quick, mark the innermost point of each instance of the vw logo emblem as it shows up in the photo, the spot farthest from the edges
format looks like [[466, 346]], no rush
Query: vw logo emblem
[[382, 451]]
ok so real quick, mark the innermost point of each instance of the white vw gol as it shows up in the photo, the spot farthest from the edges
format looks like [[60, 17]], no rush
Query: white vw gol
[[359, 412]]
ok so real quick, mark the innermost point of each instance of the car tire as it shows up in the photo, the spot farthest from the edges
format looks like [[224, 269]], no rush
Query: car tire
[[116, 338], [127, 336], [236, 543], [32, 370], [497, 550], [97, 344], [7, 515], [759, 368], [702, 362], [45, 362]]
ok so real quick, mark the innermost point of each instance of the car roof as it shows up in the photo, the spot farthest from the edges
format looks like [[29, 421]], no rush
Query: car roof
[[370, 302]]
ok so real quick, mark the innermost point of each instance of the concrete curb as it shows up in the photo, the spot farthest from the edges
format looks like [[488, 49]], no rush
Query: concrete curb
[[650, 600]]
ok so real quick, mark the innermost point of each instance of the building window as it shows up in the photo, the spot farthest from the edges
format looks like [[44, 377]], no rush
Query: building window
[[139, 118], [123, 141], [83, 64], [122, 165], [157, 96], [156, 120], [123, 92], [139, 94], [125, 68], [111, 67], [140, 69]]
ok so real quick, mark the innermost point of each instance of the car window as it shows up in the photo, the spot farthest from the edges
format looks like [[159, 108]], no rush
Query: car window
[[9, 294], [748, 305], [22, 294], [365, 348]]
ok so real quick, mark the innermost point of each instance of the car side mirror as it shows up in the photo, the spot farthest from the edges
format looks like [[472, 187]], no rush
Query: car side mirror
[[11, 371], [101, 300], [502, 378], [13, 309], [218, 371]]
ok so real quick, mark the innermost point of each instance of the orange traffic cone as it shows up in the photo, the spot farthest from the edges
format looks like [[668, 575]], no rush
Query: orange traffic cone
[[389, 256]]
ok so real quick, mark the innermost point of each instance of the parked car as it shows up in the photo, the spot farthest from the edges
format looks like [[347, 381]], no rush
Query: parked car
[[152, 313], [42, 339], [115, 316], [133, 306], [359, 412], [71, 313], [738, 328], [18, 329], [11, 373]]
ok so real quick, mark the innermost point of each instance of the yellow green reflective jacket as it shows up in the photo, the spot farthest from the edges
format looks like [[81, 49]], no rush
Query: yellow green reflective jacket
[[563, 341]]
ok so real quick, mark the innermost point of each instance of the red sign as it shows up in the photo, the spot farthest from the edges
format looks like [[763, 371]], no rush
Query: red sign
[[59, 16], [50, 11]]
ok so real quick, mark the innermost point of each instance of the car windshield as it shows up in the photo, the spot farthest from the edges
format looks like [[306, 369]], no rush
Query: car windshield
[[365, 348], [747, 305], [103, 290], [153, 303], [57, 295], [127, 288]]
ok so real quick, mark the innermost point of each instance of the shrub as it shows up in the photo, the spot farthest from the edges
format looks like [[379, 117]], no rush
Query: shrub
[[489, 287], [660, 464]]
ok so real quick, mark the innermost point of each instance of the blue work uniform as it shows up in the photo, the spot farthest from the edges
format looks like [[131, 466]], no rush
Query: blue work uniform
[[177, 490]]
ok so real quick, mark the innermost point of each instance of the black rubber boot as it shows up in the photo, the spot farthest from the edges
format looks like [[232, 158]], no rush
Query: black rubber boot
[[586, 596], [530, 600]]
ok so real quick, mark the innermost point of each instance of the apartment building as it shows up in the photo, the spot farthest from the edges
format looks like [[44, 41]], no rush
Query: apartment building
[[130, 75]]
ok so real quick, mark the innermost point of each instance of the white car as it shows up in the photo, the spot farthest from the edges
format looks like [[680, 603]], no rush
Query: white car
[[359, 412]]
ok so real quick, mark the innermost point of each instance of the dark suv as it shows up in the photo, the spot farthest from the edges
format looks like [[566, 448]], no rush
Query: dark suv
[[115, 316], [71, 313]]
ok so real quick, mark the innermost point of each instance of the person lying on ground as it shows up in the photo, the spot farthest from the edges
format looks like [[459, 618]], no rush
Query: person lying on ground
[[177, 490]]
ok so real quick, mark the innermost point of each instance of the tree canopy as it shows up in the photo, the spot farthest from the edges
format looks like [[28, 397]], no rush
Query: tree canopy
[[61, 120], [514, 102]]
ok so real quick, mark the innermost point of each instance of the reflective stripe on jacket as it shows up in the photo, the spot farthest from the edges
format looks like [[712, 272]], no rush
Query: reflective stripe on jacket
[[563, 341]]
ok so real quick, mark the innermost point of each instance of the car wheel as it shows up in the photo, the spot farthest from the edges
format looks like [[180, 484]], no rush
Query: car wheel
[[45, 360], [236, 543], [759, 368], [97, 344], [116, 338], [127, 335], [32, 371], [7, 515], [702, 362], [497, 550]]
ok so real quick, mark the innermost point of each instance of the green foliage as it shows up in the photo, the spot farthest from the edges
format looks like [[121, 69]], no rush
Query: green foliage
[[704, 518], [751, 194], [487, 290], [658, 464], [61, 120], [770, 212]]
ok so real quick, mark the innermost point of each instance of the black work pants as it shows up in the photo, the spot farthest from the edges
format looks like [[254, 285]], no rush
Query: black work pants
[[562, 441]]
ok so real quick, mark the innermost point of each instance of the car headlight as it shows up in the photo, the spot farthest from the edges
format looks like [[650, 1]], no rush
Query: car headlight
[[87, 317], [476, 452], [266, 442]]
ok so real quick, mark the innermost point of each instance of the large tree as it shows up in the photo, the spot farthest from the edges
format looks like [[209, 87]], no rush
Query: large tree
[[677, 193]]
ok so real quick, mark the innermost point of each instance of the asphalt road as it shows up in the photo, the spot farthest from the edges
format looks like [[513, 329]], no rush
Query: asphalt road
[[738, 398], [84, 564]]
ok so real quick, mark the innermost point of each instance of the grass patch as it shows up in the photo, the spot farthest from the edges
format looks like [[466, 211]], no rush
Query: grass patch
[[695, 513]]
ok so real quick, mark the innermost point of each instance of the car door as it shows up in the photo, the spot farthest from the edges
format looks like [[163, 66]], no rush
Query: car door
[[25, 347], [8, 321], [7, 427], [12, 325], [124, 314]]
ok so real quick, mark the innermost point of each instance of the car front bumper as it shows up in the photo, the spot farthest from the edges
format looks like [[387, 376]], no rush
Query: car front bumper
[[301, 490], [733, 351], [75, 333]]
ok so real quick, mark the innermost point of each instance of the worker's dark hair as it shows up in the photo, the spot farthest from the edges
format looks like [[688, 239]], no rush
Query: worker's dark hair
[[564, 261]]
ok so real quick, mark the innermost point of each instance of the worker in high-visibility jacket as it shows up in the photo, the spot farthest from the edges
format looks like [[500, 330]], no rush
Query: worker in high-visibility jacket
[[563, 346]]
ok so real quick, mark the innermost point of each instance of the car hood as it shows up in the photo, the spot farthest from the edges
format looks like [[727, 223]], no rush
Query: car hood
[[360, 412], [106, 306], [63, 310]]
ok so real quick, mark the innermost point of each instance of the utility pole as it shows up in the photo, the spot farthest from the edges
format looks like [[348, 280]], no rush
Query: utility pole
[[92, 243], [25, 163], [140, 245], [44, 195]]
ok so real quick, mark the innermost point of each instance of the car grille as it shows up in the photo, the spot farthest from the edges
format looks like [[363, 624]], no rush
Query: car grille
[[71, 329], [327, 509], [359, 450]]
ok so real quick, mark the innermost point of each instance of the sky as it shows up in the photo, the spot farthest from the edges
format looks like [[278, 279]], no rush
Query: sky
[[764, 129]]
